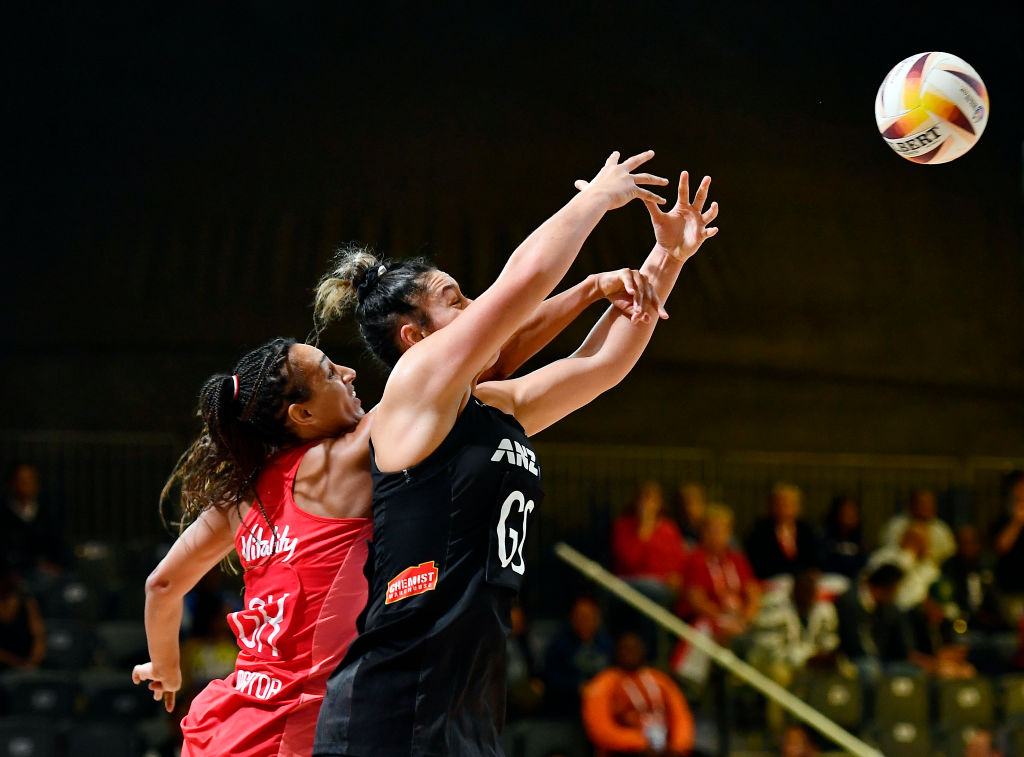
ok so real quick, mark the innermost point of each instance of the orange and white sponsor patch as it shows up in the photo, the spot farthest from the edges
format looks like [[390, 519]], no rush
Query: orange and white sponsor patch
[[414, 580]]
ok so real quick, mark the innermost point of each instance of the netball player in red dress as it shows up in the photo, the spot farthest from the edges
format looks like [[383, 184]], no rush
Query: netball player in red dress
[[280, 475]]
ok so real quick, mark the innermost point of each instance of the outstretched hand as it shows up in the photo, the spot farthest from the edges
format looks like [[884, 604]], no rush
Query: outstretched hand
[[620, 185], [164, 686], [631, 292], [684, 228]]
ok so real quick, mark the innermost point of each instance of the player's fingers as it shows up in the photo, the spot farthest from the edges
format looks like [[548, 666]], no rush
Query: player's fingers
[[581, 185], [626, 280], [710, 214], [136, 675], [702, 194], [640, 291], [169, 701], [649, 178], [684, 188], [613, 159], [637, 160], [657, 305], [648, 196], [708, 233]]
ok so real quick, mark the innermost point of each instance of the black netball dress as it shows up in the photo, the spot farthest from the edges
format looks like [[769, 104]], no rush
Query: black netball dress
[[426, 675]]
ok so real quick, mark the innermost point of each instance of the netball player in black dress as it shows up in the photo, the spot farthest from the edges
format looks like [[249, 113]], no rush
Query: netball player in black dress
[[456, 482]]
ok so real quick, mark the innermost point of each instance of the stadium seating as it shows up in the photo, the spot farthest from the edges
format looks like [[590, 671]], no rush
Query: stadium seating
[[69, 644], [902, 699], [27, 738], [40, 694], [837, 697], [965, 703]]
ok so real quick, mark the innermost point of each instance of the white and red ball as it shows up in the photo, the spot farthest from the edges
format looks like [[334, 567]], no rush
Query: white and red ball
[[932, 108]]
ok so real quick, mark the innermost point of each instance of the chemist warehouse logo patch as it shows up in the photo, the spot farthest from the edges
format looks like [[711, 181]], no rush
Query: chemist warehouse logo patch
[[412, 581]]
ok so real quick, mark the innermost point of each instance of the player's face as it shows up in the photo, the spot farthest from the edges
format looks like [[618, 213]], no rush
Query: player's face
[[442, 300], [333, 407]]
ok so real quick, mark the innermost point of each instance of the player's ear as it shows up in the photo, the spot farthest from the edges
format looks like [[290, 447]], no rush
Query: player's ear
[[299, 415], [410, 333]]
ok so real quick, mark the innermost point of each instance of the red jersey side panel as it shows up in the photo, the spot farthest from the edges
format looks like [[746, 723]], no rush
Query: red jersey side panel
[[304, 588]]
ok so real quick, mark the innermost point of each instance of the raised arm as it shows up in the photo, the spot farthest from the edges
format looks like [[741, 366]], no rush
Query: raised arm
[[430, 382], [615, 344], [199, 548], [625, 288]]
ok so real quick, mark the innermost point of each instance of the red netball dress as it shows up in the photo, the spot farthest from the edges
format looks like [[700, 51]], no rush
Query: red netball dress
[[304, 587]]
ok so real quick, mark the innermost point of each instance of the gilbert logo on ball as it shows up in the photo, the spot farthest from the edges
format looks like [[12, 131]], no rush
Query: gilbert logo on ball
[[932, 108]]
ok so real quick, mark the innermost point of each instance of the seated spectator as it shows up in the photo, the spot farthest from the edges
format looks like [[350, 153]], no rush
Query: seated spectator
[[796, 743], [577, 652], [22, 633], [31, 532], [911, 555], [782, 544], [720, 595], [981, 744], [693, 502], [842, 548], [791, 632], [647, 547], [936, 649], [525, 689], [795, 630], [921, 508], [631, 708], [964, 588], [872, 631], [1008, 544], [720, 586]]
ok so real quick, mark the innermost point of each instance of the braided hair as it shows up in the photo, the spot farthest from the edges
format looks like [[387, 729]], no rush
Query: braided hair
[[244, 422], [380, 292]]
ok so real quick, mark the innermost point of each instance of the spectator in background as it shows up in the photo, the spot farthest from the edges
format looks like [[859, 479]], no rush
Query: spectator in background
[[921, 508], [783, 544], [872, 631], [842, 545], [911, 555], [964, 588], [981, 744], [796, 743], [1008, 543], [31, 532], [647, 546], [525, 689], [22, 633], [631, 708], [577, 652], [935, 645], [791, 632], [693, 502], [720, 595]]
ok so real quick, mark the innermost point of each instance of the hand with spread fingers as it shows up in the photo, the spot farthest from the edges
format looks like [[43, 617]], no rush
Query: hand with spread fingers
[[683, 229], [620, 184], [163, 685]]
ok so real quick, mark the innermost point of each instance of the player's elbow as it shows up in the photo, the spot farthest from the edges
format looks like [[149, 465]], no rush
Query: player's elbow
[[159, 585]]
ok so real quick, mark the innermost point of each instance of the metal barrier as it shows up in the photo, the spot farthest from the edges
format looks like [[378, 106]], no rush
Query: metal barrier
[[108, 483]]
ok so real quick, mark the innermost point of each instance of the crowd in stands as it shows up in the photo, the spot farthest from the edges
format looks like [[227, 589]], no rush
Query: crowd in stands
[[920, 600]]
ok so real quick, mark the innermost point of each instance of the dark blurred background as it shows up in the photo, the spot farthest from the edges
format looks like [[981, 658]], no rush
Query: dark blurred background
[[178, 176]]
